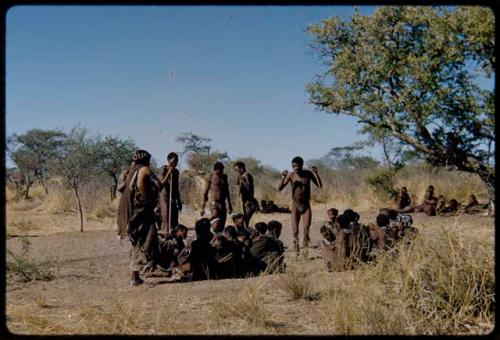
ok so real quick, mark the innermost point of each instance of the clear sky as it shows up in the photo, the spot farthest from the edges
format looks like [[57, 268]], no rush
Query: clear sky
[[234, 74]]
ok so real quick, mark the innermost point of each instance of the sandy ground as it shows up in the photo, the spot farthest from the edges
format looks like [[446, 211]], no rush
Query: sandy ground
[[91, 271]]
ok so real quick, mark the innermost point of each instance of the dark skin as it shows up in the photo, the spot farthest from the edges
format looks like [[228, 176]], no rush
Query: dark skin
[[174, 206], [147, 182], [218, 187], [245, 183], [300, 181]]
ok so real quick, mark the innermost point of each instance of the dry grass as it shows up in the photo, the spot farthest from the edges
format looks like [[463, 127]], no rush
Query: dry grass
[[242, 311], [298, 284], [443, 283]]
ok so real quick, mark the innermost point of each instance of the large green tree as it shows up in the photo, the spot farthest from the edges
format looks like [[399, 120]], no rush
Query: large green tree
[[411, 73]]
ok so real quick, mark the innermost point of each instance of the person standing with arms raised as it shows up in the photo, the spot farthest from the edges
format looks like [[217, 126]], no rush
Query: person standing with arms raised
[[300, 180]]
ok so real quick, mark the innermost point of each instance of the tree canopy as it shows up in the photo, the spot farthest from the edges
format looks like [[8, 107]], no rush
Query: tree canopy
[[411, 73]]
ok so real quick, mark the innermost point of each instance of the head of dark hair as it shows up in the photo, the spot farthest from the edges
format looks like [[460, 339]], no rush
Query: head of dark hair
[[240, 165], [343, 221], [236, 217], [180, 227], [274, 225], [261, 227], [172, 155], [351, 215], [218, 166], [142, 157], [390, 213], [202, 227], [334, 211], [231, 231], [298, 160], [323, 229], [382, 220]]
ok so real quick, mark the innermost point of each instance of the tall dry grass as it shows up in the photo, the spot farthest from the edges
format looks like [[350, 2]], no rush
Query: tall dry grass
[[442, 283]]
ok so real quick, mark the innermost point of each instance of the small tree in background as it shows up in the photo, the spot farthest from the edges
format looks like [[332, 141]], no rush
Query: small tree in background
[[114, 155], [77, 161], [31, 152], [194, 143]]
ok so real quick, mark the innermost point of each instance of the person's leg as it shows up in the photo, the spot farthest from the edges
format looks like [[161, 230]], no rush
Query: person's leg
[[175, 218], [306, 220], [295, 220], [164, 216], [135, 264], [222, 221]]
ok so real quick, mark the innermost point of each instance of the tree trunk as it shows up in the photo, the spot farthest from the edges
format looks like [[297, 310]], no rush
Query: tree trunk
[[114, 187], [27, 191], [79, 207]]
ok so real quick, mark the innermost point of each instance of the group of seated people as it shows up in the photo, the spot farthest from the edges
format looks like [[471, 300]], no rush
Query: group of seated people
[[433, 205], [346, 242], [234, 253], [269, 207]]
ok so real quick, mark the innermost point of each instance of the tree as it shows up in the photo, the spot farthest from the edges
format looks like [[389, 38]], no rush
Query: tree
[[114, 154], [30, 152], [345, 158], [76, 160], [194, 143], [409, 73]]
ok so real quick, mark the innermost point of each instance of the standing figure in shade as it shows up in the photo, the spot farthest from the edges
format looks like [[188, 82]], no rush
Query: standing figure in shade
[[300, 180], [218, 187], [245, 183], [170, 198]]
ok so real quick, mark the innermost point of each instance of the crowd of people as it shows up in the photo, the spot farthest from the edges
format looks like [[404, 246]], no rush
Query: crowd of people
[[149, 208], [347, 242], [433, 205]]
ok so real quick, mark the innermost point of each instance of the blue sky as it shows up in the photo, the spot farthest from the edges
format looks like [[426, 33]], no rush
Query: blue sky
[[234, 74]]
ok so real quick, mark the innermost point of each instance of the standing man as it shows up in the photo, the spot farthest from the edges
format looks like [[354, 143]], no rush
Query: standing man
[[300, 180], [143, 187], [218, 186], [245, 183], [170, 198]]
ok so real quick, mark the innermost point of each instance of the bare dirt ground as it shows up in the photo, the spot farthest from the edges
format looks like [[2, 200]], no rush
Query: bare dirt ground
[[89, 292]]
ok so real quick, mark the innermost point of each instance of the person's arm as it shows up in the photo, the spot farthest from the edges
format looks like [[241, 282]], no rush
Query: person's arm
[[315, 178], [285, 179], [228, 196], [123, 179], [176, 193], [245, 182], [205, 195]]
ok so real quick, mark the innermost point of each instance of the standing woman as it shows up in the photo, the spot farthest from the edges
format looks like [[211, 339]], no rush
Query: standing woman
[[170, 198]]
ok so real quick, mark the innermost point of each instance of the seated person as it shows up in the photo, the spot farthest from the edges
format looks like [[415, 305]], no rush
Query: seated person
[[330, 243], [451, 208], [202, 254], [227, 254], [332, 214], [264, 251], [383, 222], [428, 206], [404, 200], [376, 240], [472, 205], [274, 231], [441, 204], [244, 233], [176, 239]]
